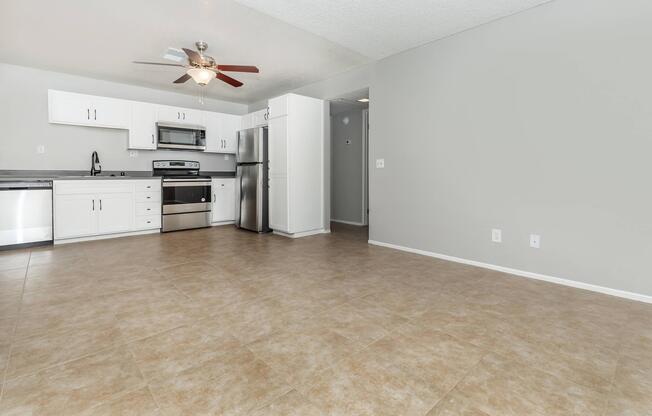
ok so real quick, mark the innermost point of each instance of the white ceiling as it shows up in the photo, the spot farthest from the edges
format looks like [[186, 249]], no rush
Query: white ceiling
[[379, 28], [99, 39], [293, 42]]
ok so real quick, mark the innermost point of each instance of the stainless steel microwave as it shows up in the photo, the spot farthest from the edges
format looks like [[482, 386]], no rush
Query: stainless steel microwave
[[181, 136]]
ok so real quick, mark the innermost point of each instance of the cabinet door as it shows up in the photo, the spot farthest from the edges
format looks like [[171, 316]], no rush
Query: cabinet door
[[223, 199], [69, 108], [278, 204], [247, 121], [116, 212], [111, 113], [278, 146], [213, 123], [279, 106], [75, 215], [229, 132], [180, 115], [142, 133]]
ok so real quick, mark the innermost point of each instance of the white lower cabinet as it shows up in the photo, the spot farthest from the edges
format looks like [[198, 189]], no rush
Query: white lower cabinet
[[279, 212], [88, 208], [223, 209]]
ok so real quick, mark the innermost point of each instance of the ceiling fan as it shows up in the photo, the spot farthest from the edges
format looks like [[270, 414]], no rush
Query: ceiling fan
[[203, 68]]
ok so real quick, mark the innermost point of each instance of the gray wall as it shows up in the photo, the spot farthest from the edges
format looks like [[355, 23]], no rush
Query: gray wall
[[346, 166], [537, 123], [24, 124]]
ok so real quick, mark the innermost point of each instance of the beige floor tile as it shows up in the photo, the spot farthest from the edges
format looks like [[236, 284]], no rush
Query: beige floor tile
[[299, 355], [631, 392], [73, 387], [358, 386], [136, 403], [42, 351], [437, 358], [232, 384], [499, 386], [290, 404], [403, 300], [182, 348], [454, 404], [14, 259]]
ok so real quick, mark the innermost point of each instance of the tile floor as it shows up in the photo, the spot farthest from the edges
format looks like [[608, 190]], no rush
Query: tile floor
[[223, 322]]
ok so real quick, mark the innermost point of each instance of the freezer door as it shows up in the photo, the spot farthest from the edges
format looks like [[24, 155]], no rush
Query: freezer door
[[249, 190], [250, 146]]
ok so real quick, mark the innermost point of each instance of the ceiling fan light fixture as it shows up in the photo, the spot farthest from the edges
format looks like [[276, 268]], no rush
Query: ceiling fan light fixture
[[201, 76]]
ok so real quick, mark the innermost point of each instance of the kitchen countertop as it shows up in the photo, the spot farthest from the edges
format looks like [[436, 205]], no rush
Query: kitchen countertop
[[50, 175]]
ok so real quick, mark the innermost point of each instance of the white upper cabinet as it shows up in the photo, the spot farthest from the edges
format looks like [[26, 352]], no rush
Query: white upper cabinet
[[278, 107], [180, 115], [221, 132], [88, 110], [256, 119], [142, 133]]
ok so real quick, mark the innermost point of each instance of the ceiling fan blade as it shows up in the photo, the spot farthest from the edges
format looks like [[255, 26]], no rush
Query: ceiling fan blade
[[183, 78], [194, 56], [228, 80], [156, 63], [238, 68]]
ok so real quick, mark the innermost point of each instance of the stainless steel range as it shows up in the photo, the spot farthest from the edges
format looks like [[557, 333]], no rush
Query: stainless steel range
[[186, 195]]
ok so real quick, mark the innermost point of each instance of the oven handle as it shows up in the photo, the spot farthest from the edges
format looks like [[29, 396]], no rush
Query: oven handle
[[176, 184]]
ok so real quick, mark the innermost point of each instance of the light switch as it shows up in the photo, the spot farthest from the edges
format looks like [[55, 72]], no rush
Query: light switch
[[496, 235], [133, 153], [226, 157], [40, 149], [380, 163]]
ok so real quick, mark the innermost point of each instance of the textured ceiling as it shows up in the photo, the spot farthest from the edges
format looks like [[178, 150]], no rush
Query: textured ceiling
[[99, 39], [379, 28]]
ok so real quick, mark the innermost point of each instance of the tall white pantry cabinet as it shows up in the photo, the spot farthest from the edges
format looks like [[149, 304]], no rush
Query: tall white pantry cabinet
[[296, 165]]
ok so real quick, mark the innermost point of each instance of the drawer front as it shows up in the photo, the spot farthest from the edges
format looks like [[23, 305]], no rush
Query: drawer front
[[147, 222], [92, 186], [148, 186], [148, 197], [148, 208]]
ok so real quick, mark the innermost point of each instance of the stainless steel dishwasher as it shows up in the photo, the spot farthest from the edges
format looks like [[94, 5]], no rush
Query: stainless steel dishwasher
[[25, 213]]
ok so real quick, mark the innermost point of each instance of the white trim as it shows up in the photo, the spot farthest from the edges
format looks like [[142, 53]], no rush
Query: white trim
[[365, 164], [531, 275], [217, 224], [106, 236], [359, 224], [302, 234]]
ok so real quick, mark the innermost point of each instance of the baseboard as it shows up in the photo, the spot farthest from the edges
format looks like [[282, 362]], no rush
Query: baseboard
[[106, 236], [302, 234], [531, 275], [359, 224], [217, 224]]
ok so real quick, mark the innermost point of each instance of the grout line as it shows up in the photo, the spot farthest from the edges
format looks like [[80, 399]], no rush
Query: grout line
[[5, 372]]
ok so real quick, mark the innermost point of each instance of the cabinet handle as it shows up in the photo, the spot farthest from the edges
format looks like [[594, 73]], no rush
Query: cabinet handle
[[88, 114], [149, 186], [152, 141], [149, 222], [100, 205], [95, 113], [214, 198], [184, 116], [178, 115], [149, 209], [93, 205]]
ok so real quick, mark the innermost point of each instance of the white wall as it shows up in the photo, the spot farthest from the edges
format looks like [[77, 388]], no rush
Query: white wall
[[346, 166], [24, 124], [537, 123]]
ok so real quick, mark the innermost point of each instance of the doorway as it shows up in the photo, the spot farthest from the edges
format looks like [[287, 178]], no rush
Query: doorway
[[349, 161]]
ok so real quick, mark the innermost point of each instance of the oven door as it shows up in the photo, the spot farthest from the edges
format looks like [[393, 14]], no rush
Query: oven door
[[173, 136], [181, 196]]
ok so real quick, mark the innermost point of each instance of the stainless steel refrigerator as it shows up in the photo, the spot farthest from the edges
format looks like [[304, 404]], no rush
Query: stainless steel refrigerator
[[251, 184]]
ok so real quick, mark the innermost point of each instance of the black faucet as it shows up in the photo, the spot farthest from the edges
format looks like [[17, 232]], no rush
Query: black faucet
[[96, 168]]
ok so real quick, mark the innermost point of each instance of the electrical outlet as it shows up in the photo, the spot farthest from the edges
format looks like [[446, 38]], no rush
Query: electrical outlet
[[380, 163], [535, 240], [497, 235], [226, 157], [133, 153], [40, 149]]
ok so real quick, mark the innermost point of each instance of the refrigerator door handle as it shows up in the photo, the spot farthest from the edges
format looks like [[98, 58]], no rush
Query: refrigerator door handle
[[259, 198], [238, 195]]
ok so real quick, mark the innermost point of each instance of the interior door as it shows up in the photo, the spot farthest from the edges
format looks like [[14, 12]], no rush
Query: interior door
[[251, 183], [116, 212]]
